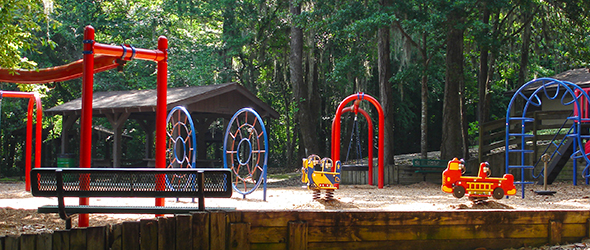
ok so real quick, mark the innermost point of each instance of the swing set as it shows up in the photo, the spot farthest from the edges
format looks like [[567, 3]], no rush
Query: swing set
[[336, 129], [34, 100], [98, 57]]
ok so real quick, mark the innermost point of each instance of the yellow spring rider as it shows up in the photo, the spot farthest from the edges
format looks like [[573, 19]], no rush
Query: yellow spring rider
[[321, 174]]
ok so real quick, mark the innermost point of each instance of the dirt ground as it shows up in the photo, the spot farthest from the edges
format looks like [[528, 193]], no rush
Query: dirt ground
[[18, 208]]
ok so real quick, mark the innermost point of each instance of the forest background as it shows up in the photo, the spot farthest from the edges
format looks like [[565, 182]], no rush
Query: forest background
[[438, 67]]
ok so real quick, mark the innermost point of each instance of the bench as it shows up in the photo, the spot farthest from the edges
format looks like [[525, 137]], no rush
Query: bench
[[426, 166], [128, 182]]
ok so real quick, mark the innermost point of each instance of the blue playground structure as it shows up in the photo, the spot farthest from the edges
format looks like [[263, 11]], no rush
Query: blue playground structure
[[574, 128], [245, 151], [181, 151]]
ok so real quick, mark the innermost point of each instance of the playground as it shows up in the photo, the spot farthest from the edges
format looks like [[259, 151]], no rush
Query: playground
[[19, 215], [258, 200]]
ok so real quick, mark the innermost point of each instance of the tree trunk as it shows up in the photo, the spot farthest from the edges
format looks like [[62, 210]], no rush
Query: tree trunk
[[452, 136], [385, 90], [424, 116], [228, 33], [300, 89], [482, 80]]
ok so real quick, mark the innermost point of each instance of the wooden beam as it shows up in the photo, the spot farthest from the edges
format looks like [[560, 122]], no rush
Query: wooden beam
[[555, 227], [66, 125], [117, 120], [297, 239]]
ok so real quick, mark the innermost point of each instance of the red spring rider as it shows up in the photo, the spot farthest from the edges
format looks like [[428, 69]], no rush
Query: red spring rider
[[477, 188]]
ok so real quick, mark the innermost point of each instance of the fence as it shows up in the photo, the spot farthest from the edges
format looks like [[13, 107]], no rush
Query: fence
[[492, 137], [292, 230]]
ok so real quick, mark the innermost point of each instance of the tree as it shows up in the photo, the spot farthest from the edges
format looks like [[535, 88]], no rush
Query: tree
[[19, 20], [300, 88], [453, 118], [385, 90]]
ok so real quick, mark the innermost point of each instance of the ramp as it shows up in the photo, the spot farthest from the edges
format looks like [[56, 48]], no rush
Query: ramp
[[560, 158]]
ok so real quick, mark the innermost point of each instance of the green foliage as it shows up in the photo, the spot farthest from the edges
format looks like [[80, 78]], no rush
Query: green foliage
[[247, 41], [20, 20]]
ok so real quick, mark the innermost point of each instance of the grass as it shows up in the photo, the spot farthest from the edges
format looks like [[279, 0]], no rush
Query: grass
[[282, 176], [11, 179]]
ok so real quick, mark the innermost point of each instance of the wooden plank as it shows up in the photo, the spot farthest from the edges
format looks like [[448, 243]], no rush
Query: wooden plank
[[555, 232], [96, 238], [393, 218], [268, 234], [448, 232], [60, 240], [11, 242], [431, 244], [166, 231], [27, 241], [184, 240], [269, 246], [574, 231], [218, 233], [43, 241], [130, 235], [298, 235], [200, 229], [239, 236], [116, 237], [77, 239], [148, 230]]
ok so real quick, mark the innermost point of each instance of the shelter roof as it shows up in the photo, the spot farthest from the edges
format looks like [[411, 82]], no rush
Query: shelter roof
[[580, 77], [221, 99]]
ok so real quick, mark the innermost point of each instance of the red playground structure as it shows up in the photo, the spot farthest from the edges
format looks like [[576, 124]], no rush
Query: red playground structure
[[336, 123], [107, 57], [477, 188], [35, 100]]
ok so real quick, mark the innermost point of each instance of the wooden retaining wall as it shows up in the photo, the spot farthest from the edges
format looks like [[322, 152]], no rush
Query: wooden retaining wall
[[292, 230], [361, 177]]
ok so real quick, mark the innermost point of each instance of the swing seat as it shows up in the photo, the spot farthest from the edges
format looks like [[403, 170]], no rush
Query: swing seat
[[355, 167]]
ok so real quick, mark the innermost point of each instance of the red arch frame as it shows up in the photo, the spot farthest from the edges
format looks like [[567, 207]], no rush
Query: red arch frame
[[33, 99], [336, 129], [91, 47]]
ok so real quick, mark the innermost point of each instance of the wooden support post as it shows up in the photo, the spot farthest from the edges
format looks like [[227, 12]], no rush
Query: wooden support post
[[297, 238], [239, 236], [218, 230], [77, 238], [116, 237], [184, 234], [130, 235], [200, 230], [27, 242], [43, 241], [11, 243], [60, 240], [148, 230], [117, 121], [555, 232], [96, 238], [166, 233]]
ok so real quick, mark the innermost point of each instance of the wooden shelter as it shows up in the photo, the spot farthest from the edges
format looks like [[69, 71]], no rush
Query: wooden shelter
[[205, 103]]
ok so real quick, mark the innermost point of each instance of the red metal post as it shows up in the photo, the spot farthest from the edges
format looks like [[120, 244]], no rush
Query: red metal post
[[28, 148], [86, 118], [336, 131], [161, 112]]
